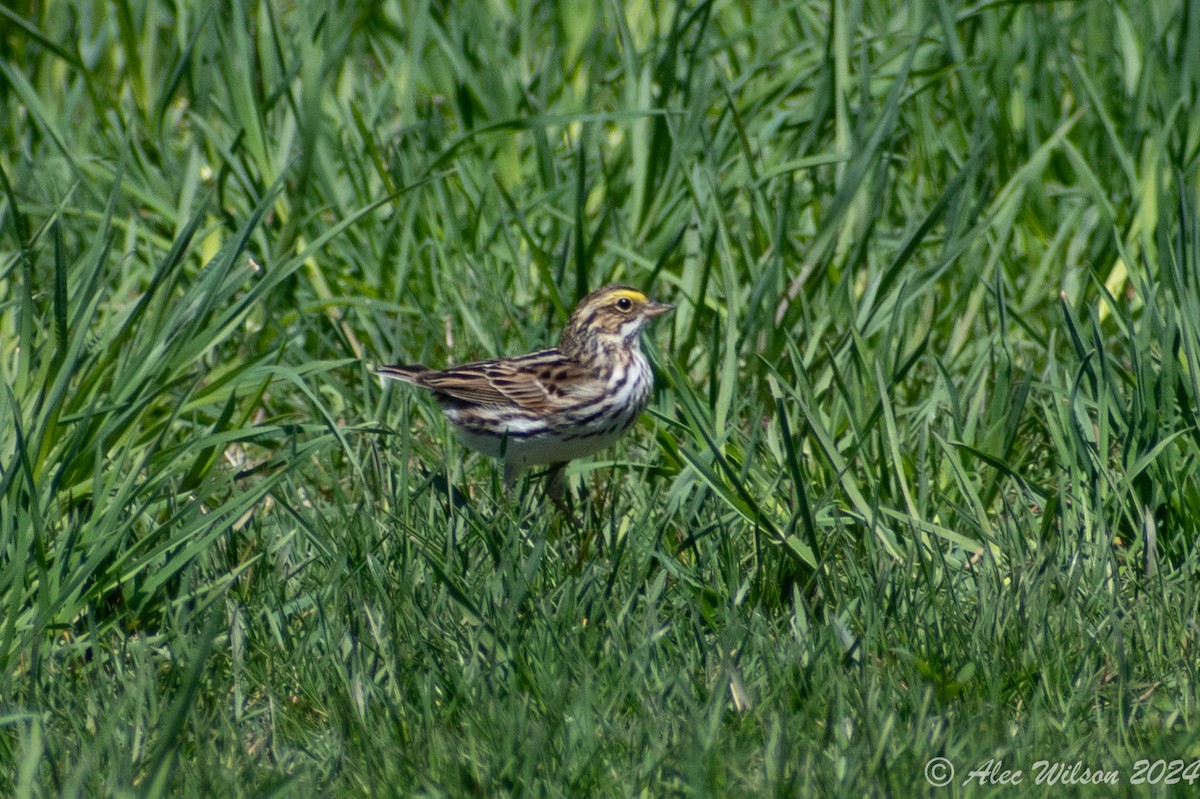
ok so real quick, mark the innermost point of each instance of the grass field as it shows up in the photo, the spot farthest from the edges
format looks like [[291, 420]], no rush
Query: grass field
[[921, 475]]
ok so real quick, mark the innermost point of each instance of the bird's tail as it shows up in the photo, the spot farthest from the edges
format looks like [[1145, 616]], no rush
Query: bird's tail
[[405, 374]]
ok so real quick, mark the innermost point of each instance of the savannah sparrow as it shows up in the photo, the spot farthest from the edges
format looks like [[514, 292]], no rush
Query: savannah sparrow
[[552, 406]]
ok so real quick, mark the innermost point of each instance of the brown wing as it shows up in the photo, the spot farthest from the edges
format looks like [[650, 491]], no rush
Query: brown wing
[[540, 381]]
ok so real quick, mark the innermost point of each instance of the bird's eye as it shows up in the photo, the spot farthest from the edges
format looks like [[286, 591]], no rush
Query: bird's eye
[[625, 304]]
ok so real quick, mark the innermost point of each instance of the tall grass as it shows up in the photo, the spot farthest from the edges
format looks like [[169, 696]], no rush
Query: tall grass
[[920, 477]]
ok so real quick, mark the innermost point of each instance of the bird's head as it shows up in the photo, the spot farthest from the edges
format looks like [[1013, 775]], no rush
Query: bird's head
[[609, 318]]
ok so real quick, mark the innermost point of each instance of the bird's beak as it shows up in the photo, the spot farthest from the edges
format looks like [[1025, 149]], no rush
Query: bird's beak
[[654, 309]]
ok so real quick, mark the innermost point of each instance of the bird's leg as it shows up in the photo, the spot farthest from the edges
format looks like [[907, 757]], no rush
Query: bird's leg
[[556, 490], [512, 470], [555, 484]]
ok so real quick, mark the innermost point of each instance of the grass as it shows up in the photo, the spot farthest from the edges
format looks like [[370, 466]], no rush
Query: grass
[[920, 479]]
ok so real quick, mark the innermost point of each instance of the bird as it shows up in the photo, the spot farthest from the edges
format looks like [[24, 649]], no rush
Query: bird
[[554, 405]]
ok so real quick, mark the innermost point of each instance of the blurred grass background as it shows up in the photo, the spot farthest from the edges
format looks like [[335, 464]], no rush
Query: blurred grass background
[[921, 473]]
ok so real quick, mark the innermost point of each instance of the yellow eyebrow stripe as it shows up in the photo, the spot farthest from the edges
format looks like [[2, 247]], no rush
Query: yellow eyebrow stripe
[[632, 294]]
